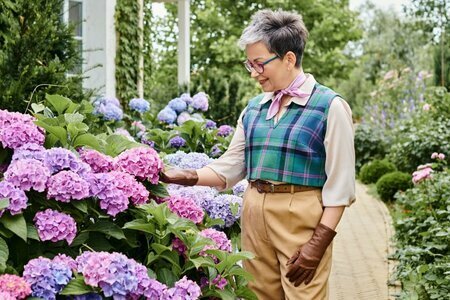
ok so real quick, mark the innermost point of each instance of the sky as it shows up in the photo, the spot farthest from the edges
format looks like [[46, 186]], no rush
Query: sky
[[385, 4]]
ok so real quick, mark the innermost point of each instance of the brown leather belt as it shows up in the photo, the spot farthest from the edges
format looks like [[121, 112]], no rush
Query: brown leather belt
[[267, 187]]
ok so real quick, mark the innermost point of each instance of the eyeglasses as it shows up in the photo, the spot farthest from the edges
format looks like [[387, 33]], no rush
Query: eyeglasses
[[258, 67]]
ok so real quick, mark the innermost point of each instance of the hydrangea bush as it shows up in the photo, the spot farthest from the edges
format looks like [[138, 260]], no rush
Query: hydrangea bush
[[77, 219]]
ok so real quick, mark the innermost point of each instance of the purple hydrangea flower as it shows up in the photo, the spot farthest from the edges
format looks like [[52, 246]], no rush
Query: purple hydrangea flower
[[183, 289], [240, 187], [142, 162], [225, 130], [7, 118], [28, 174], [147, 142], [54, 226], [67, 185], [17, 198], [90, 296], [179, 246], [174, 159], [198, 194], [186, 98], [185, 208], [167, 115], [118, 276], [98, 162], [177, 142], [139, 105], [19, 134], [29, 151], [219, 282], [221, 242], [66, 260], [200, 101], [197, 118], [215, 151], [105, 186], [58, 159], [154, 289], [221, 208], [191, 160], [15, 286], [46, 277], [177, 104], [183, 117], [125, 133], [210, 124]]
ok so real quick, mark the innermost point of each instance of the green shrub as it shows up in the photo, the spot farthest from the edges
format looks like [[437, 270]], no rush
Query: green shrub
[[370, 143], [391, 183], [372, 171]]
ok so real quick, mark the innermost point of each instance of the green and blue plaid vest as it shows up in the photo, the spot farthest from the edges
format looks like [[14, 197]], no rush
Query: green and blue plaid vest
[[292, 150]]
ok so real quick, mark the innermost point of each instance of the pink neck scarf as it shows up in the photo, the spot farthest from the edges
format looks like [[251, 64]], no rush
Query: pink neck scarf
[[291, 90]]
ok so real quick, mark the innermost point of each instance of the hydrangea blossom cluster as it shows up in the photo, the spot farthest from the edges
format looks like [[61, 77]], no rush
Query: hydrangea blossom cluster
[[198, 194], [142, 162], [185, 208], [109, 108], [210, 124], [132, 189], [29, 151], [6, 296], [423, 172], [105, 186], [179, 109], [221, 242], [179, 246], [46, 277], [58, 159], [16, 287], [200, 101], [438, 156], [139, 105], [221, 208], [17, 198], [90, 296], [240, 187], [138, 128], [7, 118], [54, 226], [118, 276], [125, 133], [67, 185], [19, 134], [177, 142], [178, 105], [193, 160], [183, 289], [167, 115], [66, 260], [27, 174], [224, 130], [146, 141], [215, 151], [197, 117], [98, 162], [219, 282]]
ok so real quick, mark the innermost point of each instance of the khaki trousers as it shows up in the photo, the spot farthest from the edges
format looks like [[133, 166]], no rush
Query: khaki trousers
[[273, 226]]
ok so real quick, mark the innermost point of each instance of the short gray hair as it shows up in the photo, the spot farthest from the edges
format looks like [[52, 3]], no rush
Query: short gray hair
[[280, 31]]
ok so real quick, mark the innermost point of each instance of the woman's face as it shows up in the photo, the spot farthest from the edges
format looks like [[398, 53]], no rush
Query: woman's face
[[275, 75]]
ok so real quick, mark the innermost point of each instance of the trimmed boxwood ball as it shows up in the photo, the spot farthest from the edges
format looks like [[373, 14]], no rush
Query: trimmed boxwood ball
[[372, 171], [391, 183]]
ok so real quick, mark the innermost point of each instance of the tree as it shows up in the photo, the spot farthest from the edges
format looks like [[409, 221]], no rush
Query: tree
[[37, 48]]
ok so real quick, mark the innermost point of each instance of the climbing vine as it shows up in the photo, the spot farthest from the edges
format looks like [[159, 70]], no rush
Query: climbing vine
[[128, 49]]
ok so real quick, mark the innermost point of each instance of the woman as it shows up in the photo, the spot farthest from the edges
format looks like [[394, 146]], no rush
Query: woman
[[294, 143]]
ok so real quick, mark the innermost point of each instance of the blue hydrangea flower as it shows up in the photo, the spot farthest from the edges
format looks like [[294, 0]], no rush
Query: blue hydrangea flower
[[197, 117], [240, 187], [177, 142], [221, 208], [186, 98], [210, 124], [139, 104], [200, 101], [177, 105], [112, 113], [167, 115], [183, 117]]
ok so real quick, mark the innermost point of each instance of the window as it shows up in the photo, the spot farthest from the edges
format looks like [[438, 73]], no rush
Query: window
[[73, 15]]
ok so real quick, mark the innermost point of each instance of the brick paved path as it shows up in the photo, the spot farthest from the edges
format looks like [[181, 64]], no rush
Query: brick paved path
[[360, 265]]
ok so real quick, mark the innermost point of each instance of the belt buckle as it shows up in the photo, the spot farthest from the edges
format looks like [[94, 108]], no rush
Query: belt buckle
[[272, 188], [259, 186]]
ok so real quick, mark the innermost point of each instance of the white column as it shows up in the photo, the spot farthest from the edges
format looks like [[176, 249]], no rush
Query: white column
[[140, 79], [184, 54]]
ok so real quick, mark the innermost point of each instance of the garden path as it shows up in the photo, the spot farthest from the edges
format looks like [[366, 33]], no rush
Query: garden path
[[360, 266]]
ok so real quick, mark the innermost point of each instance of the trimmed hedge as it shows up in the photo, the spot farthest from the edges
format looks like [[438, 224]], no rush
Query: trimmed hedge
[[372, 171], [389, 184]]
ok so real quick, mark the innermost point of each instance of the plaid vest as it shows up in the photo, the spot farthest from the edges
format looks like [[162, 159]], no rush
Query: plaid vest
[[293, 150]]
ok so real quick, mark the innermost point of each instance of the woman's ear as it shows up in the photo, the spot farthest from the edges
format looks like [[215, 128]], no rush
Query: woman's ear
[[290, 59]]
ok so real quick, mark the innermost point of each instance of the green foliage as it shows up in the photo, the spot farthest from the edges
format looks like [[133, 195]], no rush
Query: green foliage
[[442, 66], [128, 49], [389, 184], [372, 171], [37, 50], [370, 143], [422, 222]]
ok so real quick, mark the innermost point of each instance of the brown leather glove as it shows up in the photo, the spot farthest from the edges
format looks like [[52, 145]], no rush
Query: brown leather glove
[[179, 176], [303, 264]]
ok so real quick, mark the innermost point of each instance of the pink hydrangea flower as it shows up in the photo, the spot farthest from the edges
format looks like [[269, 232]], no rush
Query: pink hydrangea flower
[[421, 174], [19, 134], [142, 162], [185, 208], [17, 198], [54, 226], [6, 296], [99, 162], [15, 286], [66, 260], [28, 174], [183, 289], [107, 188], [221, 242], [179, 246], [440, 156], [67, 185]]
